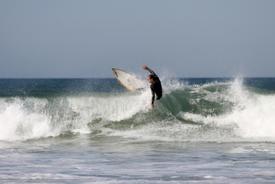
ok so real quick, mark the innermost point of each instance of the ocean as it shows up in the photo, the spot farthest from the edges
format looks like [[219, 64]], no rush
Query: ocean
[[203, 130]]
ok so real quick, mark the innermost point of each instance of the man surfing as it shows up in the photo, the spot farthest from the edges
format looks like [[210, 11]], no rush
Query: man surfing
[[155, 84]]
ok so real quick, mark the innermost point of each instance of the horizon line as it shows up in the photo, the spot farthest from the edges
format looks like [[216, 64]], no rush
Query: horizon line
[[246, 77]]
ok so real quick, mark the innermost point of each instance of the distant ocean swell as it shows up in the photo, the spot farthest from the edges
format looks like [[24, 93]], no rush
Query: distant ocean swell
[[214, 111]]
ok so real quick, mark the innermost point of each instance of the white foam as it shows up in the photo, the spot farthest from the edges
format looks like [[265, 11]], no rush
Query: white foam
[[113, 108], [154, 131], [28, 118], [252, 113], [17, 123]]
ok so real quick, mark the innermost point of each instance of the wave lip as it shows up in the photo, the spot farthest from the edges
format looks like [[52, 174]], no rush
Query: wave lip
[[216, 111], [18, 123], [32, 118], [251, 113]]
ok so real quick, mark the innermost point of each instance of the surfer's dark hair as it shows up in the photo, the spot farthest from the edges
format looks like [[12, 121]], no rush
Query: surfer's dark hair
[[151, 76]]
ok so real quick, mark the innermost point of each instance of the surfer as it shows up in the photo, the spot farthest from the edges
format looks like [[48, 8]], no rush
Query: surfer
[[155, 84]]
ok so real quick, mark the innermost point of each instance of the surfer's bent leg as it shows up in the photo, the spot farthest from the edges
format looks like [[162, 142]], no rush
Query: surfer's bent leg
[[153, 97]]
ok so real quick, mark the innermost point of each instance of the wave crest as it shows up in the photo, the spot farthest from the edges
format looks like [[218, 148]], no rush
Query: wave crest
[[217, 111]]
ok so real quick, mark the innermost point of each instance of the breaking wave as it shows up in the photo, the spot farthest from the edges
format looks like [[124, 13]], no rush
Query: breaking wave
[[217, 111]]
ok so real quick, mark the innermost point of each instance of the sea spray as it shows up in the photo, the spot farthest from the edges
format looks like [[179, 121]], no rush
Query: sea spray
[[251, 113], [214, 111]]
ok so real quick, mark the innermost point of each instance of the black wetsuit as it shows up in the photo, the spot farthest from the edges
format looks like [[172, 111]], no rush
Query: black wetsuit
[[155, 87]]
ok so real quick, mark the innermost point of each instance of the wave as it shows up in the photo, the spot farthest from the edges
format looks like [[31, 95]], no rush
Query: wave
[[217, 111]]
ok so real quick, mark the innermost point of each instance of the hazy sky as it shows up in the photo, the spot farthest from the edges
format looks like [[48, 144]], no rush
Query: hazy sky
[[184, 38]]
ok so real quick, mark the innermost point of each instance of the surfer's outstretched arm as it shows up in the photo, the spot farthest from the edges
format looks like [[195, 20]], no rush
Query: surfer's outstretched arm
[[145, 67]]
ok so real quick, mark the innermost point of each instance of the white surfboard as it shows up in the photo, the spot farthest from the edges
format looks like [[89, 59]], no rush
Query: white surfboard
[[130, 81]]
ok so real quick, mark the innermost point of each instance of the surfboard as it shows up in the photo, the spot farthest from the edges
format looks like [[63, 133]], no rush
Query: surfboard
[[130, 81]]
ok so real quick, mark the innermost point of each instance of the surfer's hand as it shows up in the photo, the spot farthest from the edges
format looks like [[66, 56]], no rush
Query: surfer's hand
[[145, 67]]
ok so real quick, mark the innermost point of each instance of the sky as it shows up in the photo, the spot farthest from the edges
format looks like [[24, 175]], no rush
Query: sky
[[177, 38]]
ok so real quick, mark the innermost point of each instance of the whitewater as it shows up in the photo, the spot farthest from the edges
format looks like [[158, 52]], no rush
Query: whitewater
[[93, 131]]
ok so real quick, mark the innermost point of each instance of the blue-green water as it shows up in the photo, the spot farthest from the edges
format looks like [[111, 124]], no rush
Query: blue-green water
[[93, 131]]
